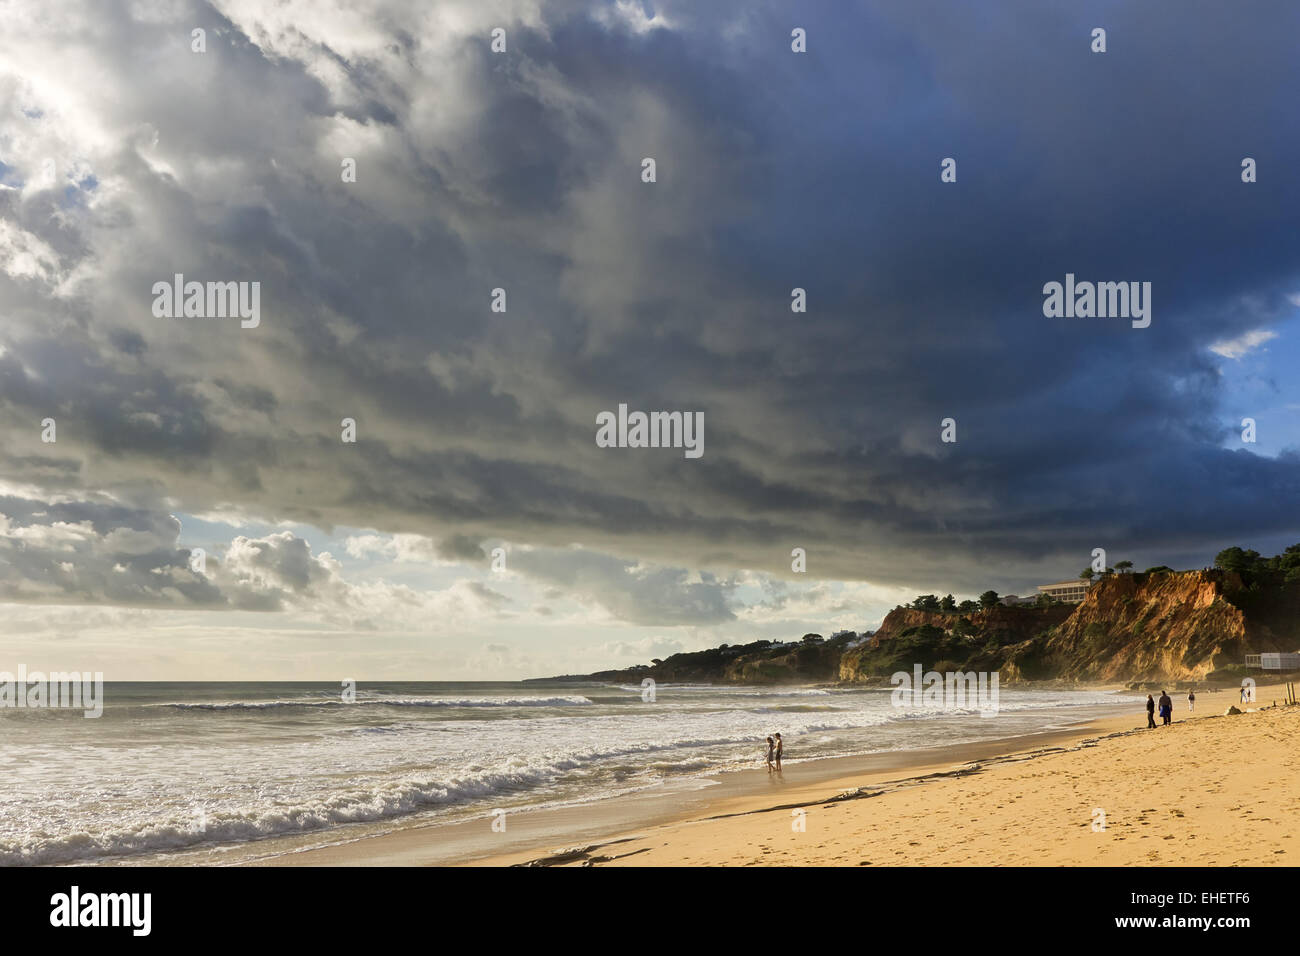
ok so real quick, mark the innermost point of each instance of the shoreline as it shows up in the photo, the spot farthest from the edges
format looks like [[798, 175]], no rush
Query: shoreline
[[983, 795], [532, 834], [930, 764], [1126, 796]]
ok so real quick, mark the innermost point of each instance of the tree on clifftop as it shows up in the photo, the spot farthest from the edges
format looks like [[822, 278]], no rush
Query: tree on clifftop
[[1236, 559], [1086, 574], [989, 599], [1123, 566]]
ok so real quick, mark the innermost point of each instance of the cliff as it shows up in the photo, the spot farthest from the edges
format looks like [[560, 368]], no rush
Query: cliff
[[981, 640], [1178, 625], [1174, 625]]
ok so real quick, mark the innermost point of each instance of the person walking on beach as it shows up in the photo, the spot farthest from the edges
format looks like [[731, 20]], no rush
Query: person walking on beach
[[1191, 700], [780, 745], [771, 752], [1166, 707], [1151, 711]]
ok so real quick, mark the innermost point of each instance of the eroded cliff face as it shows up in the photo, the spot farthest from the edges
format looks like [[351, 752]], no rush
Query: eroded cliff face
[[1005, 623], [980, 639], [1130, 627]]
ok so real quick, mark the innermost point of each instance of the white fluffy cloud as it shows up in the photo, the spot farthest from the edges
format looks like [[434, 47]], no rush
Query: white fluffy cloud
[[1243, 344]]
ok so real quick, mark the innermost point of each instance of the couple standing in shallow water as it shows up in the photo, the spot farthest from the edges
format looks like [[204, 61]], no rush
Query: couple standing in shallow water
[[774, 748]]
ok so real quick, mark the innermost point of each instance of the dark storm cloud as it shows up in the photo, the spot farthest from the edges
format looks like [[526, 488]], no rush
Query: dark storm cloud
[[521, 171], [460, 548], [662, 596]]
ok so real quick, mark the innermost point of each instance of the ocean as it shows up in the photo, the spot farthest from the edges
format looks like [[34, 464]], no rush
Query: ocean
[[216, 772]]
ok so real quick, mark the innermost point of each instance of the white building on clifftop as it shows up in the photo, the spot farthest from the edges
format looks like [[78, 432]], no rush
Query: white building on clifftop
[[1070, 591]]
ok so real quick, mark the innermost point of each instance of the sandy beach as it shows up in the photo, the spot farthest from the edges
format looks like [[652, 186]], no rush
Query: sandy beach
[[1207, 790]]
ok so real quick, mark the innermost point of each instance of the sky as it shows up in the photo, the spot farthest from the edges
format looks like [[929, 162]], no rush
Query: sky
[[133, 149]]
